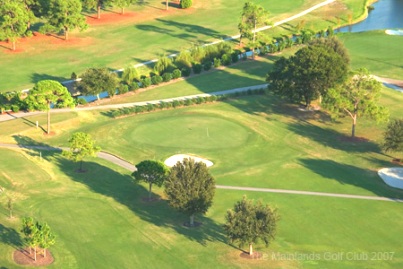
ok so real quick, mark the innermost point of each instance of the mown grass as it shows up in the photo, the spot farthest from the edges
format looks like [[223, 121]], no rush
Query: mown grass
[[116, 46], [101, 221]]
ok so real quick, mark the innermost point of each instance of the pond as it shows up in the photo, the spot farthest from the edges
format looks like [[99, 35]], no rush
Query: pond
[[387, 14]]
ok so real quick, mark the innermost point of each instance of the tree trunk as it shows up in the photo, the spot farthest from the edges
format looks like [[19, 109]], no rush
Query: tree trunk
[[353, 126], [122, 11], [149, 191], [250, 249], [254, 40], [98, 96], [44, 252], [192, 220], [66, 34], [14, 47], [99, 12], [166, 3], [48, 132], [35, 253]]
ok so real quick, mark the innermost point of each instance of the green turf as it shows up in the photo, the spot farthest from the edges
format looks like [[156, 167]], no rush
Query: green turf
[[123, 44]]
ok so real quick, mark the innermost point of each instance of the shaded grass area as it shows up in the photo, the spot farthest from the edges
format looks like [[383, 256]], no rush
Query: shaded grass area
[[108, 222]]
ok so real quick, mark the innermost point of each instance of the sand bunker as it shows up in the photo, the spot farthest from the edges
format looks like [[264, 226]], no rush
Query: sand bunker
[[394, 32], [392, 176], [171, 161]]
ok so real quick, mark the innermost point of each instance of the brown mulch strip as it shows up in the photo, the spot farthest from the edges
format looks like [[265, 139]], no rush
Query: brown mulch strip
[[22, 256]]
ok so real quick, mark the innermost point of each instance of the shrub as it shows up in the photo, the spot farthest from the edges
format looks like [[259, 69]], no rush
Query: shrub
[[130, 74], [188, 102], [186, 3], [134, 86], [145, 82], [81, 101], [150, 107], [184, 59], [116, 113], [15, 108], [217, 62], [176, 74], [197, 68], [139, 109], [155, 80], [226, 59], [207, 65], [186, 71], [73, 76], [330, 31], [235, 56], [175, 103], [123, 88], [212, 98], [166, 77], [163, 65]]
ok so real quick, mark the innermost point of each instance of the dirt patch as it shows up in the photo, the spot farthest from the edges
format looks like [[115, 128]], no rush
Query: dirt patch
[[254, 256], [23, 257]]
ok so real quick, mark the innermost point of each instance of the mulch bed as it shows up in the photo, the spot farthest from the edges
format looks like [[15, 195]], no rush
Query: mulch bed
[[22, 256], [254, 256]]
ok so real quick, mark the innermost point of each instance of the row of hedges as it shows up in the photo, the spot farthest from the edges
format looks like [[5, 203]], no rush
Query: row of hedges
[[181, 103]]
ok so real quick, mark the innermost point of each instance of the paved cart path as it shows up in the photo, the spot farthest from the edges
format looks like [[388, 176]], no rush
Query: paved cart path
[[118, 161]]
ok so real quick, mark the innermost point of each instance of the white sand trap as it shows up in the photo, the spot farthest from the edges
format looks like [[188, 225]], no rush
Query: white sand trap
[[171, 161], [392, 176], [394, 32]]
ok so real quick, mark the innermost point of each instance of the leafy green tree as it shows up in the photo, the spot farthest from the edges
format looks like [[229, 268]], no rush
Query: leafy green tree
[[190, 188], [186, 3], [14, 19], [393, 136], [357, 97], [81, 145], [334, 43], [31, 233], [253, 16], [96, 5], [64, 15], [96, 80], [47, 93], [122, 4], [308, 74], [151, 172], [163, 65], [130, 74], [248, 223], [47, 238]]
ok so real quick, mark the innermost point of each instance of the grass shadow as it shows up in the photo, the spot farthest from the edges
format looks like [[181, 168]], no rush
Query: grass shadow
[[122, 189], [352, 175], [10, 236], [36, 77], [36, 148]]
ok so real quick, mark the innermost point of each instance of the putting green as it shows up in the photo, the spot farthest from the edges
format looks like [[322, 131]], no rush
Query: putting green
[[191, 131]]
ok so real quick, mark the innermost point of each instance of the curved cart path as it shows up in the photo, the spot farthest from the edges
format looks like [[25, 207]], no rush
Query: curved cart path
[[118, 161]]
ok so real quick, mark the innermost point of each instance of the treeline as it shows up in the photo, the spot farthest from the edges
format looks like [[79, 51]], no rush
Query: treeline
[[20, 17]]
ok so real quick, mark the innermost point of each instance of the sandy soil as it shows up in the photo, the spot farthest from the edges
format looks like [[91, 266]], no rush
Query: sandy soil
[[171, 161], [392, 176]]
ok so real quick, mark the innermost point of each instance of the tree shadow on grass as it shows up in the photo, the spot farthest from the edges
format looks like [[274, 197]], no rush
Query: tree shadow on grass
[[36, 148], [333, 139], [36, 77], [122, 189], [352, 175], [10, 236]]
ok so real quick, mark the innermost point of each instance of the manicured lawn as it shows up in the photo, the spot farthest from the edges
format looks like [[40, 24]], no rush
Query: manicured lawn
[[101, 221], [380, 53], [116, 46]]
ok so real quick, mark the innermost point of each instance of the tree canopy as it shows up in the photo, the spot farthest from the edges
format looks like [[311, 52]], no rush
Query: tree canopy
[[96, 80], [190, 188], [46, 93], [151, 172], [14, 19], [64, 15], [81, 145], [357, 97], [247, 223], [308, 74], [393, 136]]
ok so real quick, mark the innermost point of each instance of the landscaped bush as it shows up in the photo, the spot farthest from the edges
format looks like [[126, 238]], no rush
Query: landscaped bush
[[226, 59], [146, 82], [198, 54], [134, 86], [186, 71], [81, 101], [207, 65], [163, 65], [183, 60], [217, 62], [123, 88], [235, 56], [15, 108], [175, 104], [188, 102], [176, 74], [155, 80], [186, 3], [197, 68], [330, 31], [166, 77]]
